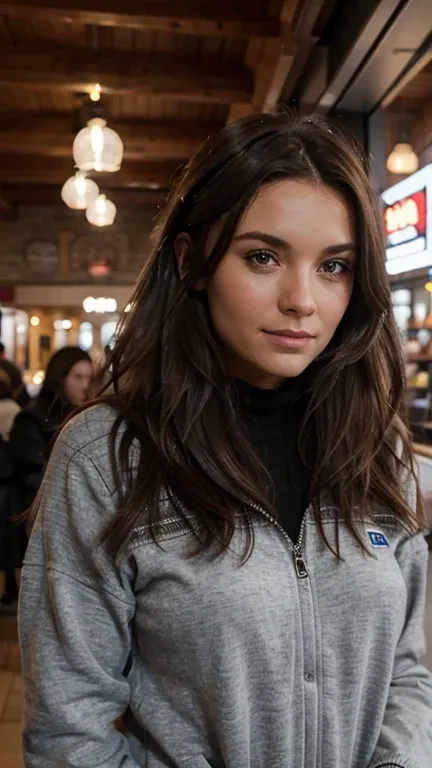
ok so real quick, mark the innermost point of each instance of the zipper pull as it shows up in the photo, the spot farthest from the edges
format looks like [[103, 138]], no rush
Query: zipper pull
[[300, 566]]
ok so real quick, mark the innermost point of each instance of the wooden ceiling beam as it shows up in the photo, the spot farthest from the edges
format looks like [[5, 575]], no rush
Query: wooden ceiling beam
[[309, 22], [271, 61], [49, 195], [188, 17], [77, 70], [53, 136], [25, 170]]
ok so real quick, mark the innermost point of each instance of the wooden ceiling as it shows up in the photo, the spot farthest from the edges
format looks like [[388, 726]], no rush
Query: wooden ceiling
[[417, 90], [409, 116], [171, 72]]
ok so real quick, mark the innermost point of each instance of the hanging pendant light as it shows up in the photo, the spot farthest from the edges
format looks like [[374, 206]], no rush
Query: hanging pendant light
[[95, 93], [98, 148], [102, 212], [78, 192], [403, 160]]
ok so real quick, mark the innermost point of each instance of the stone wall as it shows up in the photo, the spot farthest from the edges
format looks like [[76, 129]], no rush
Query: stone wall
[[55, 244]]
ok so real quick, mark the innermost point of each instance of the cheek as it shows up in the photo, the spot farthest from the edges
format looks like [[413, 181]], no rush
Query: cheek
[[237, 299], [333, 306]]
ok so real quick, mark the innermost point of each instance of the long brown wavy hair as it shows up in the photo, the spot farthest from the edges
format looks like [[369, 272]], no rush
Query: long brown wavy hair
[[174, 397]]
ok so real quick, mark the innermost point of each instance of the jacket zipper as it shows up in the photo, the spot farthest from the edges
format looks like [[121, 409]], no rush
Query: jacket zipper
[[297, 549], [170, 525], [174, 525]]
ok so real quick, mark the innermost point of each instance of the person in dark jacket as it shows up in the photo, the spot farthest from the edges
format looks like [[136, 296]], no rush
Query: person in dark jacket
[[66, 386]]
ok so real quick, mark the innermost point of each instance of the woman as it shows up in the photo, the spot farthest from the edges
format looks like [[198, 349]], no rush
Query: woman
[[228, 553], [66, 385]]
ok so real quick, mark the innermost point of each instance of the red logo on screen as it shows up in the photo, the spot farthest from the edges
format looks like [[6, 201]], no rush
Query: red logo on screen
[[409, 212]]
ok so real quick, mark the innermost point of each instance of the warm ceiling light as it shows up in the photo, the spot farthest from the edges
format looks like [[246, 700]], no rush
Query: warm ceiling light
[[102, 212], [62, 325], [428, 287], [99, 305], [95, 92], [35, 321], [78, 192], [403, 160], [98, 148], [38, 378]]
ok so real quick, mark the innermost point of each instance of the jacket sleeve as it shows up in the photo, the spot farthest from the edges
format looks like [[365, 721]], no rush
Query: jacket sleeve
[[406, 734], [76, 611], [27, 444]]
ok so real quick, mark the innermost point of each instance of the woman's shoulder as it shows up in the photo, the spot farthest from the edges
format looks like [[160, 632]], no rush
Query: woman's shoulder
[[77, 498], [89, 430], [88, 436]]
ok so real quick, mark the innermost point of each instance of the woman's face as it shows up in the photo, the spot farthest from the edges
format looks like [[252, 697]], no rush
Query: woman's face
[[281, 290], [77, 382]]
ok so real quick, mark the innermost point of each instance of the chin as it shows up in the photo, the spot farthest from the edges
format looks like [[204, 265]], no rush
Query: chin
[[269, 370], [289, 369]]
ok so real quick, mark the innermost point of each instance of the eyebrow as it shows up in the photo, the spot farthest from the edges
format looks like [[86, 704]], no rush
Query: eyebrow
[[263, 237], [277, 242]]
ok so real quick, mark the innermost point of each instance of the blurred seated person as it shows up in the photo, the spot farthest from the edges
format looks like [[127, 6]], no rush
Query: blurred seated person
[[66, 386], [22, 396]]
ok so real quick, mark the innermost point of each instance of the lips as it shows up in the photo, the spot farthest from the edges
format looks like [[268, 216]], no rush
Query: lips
[[291, 334], [288, 339]]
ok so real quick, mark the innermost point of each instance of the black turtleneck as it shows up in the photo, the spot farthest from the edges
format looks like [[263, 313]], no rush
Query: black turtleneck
[[273, 419]]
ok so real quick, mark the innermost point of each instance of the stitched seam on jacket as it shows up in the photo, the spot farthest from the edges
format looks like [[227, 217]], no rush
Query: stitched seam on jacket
[[94, 588]]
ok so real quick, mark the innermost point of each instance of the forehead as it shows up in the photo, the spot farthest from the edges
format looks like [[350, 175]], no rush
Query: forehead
[[82, 368], [291, 209]]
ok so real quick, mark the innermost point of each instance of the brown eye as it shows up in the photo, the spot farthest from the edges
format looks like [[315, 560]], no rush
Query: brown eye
[[335, 267], [260, 258]]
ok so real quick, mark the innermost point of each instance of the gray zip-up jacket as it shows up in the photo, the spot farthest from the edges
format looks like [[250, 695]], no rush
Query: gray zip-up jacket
[[283, 662]]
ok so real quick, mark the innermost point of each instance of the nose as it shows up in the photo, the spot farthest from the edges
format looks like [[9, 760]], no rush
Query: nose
[[297, 293]]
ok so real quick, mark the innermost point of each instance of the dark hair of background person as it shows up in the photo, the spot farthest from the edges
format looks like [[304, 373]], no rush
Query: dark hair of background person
[[2, 348], [61, 363], [14, 374], [171, 386], [19, 390]]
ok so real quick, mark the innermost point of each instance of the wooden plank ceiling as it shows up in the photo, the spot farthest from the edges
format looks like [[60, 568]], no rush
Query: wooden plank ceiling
[[409, 116], [171, 72]]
